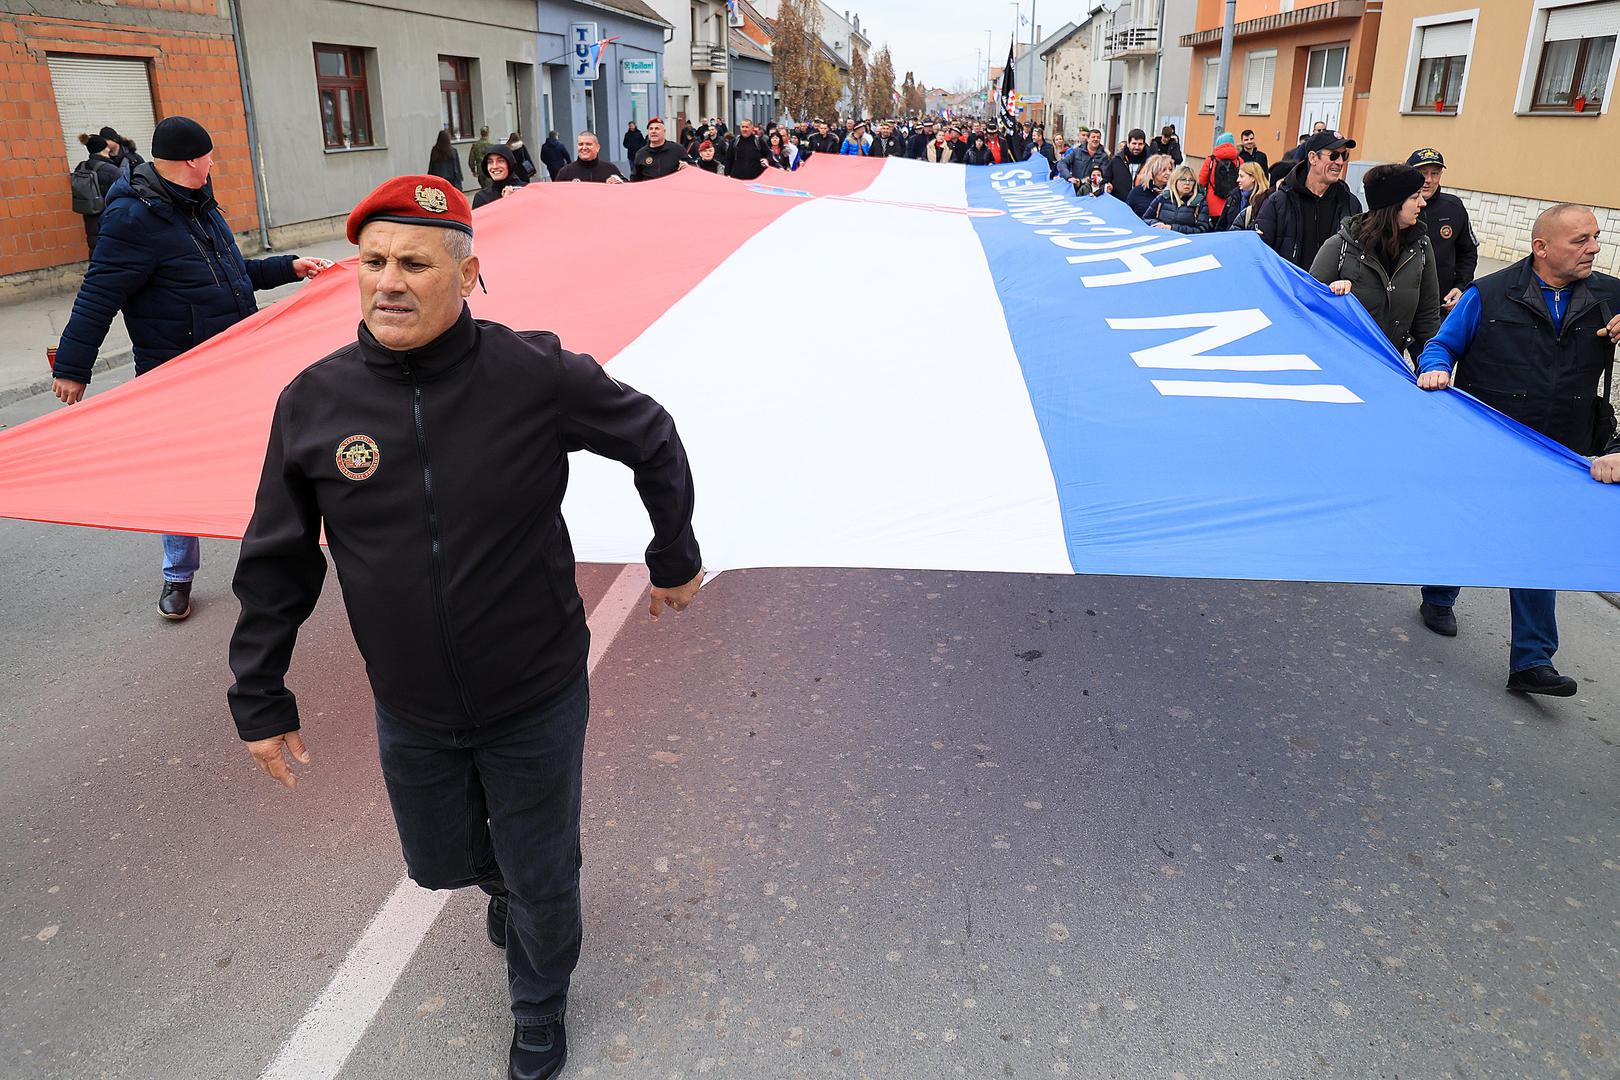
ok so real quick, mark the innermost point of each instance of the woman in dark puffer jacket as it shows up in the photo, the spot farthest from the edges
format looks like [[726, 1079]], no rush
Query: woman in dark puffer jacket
[[1180, 206], [1384, 259]]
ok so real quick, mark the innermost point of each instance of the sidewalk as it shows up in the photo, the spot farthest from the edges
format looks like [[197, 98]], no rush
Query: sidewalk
[[26, 329]]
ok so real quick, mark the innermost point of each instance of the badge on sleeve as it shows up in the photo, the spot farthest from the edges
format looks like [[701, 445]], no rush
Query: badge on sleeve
[[358, 457], [1447, 232]]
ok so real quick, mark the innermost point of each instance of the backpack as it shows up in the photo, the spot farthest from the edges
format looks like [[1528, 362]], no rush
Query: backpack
[[1223, 180], [87, 197]]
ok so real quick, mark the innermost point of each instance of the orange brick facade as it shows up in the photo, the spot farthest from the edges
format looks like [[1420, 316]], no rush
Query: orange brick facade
[[193, 73]]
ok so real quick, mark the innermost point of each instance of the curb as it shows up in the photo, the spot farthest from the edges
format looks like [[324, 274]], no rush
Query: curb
[[11, 394], [1613, 598]]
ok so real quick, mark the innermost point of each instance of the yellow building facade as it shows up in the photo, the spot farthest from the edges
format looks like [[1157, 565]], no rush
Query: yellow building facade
[[1516, 94]]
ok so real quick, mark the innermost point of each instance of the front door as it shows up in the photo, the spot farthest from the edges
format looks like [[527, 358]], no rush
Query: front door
[[1324, 87]]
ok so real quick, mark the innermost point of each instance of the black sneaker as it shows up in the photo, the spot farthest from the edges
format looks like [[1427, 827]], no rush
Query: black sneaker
[[1542, 680], [495, 921], [1442, 620], [538, 1051], [174, 603]]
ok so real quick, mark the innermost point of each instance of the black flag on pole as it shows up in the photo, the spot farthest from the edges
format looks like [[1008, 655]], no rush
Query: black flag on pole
[[1009, 88]]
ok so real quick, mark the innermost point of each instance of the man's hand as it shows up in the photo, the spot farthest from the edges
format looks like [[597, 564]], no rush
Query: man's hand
[[1340, 287], [1612, 331], [677, 598], [1606, 470], [508, 189], [268, 753], [1451, 298], [1434, 380], [615, 179], [308, 268], [69, 391]]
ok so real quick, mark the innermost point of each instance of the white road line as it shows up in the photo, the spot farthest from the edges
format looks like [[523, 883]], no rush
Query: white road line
[[334, 1025]]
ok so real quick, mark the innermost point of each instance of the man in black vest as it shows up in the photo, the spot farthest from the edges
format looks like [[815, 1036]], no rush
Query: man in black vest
[[1456, 252], [1533, 341]]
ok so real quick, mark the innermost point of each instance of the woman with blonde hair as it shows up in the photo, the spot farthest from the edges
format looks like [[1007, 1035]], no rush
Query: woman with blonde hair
[[1180, 206], [1243, 205], [1150, 180]]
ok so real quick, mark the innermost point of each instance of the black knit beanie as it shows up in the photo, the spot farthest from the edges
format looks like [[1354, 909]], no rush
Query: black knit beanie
[[93, 143], [1393, 187], [180, 138]]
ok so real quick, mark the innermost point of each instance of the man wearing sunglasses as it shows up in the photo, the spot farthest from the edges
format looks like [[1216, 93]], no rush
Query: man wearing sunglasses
[[1312, 200]]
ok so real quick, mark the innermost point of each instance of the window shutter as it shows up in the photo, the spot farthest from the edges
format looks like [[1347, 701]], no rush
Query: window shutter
[[1447, 39], [1268, 78], [1584, 21], [96, 92], [1253, 82]]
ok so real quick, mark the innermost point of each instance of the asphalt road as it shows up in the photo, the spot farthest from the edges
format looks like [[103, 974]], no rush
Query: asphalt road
[[849, 824]]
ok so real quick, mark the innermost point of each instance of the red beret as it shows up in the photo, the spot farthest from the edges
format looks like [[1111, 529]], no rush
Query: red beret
[[413, 200]]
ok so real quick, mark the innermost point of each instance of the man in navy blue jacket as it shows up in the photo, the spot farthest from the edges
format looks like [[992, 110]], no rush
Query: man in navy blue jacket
[[1534, 341], [167, 259]]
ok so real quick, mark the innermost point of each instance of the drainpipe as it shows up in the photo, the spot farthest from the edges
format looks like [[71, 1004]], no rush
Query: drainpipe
[[1154, 120], [255, 159]]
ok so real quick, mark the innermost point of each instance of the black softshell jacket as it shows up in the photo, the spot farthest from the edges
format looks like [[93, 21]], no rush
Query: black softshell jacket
[[439, 475]]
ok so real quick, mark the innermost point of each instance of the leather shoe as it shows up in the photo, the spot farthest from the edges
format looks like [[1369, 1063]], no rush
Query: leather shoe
[[495, 921], [1442, 620], [174, 603], [538, 1051], [1543, 679]]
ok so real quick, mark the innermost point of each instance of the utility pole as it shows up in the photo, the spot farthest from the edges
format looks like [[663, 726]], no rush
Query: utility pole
[[1226, 66], [1029, 84]]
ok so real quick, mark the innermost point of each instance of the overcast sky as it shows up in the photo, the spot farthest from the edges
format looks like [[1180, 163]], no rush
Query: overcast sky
[[942, 40]]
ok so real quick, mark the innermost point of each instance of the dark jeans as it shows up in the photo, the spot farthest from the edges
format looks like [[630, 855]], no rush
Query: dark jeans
[[1535, 622], [498, 807]]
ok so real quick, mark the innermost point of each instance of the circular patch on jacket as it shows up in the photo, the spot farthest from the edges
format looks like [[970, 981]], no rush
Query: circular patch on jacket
[[358, 457], [1447, 232]]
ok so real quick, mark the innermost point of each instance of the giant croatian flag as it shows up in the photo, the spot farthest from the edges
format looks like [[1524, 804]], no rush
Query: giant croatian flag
[[885, 363]]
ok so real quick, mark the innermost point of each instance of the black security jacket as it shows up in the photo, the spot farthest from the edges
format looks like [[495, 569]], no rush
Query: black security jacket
[[449, 541]]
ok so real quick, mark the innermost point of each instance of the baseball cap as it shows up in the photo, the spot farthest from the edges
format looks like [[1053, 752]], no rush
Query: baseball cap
[[1328, 140], [1426, 156]]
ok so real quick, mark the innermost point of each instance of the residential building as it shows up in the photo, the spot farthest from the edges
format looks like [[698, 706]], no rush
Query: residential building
[[345, 99], [697, 64], [118, 64], [1293, 64], [1516, 94], [1149, 65], [1029, 73], [1107, 82], [753, 83], [1067, 59]]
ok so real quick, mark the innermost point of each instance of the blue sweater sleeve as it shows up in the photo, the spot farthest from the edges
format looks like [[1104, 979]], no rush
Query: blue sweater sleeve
[[1456, 334]]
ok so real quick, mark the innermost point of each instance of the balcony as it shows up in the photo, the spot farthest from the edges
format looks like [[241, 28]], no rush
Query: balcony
[[708, 57], [1131, 42]]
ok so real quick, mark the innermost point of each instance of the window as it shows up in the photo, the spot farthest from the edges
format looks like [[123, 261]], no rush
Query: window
[[1258, 75], [1574, 74], [1325, 70], [455, 96], [1212, 78], [340, 85], [1442, 59]]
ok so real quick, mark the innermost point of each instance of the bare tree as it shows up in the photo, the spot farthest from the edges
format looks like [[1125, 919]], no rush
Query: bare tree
[[880, 84], [914, 96], [826, 90], [796, 50], [858, 80]]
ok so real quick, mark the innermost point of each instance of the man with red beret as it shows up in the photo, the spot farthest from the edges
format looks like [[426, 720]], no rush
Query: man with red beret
[[433, 451]]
